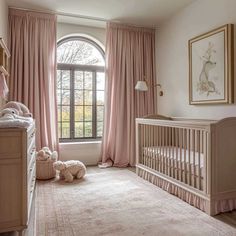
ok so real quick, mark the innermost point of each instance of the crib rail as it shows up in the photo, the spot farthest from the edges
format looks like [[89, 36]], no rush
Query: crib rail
[[176, 149]]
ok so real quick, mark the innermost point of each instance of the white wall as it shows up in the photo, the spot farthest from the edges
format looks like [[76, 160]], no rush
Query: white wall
[[89, 152], [3, 27], [64, 29], [172, 56]]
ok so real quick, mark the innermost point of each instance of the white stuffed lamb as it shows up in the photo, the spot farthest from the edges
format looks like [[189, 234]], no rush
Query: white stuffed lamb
[[70, 169]]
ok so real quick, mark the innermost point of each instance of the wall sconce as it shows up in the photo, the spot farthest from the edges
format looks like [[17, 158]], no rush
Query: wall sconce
[[143, 86]]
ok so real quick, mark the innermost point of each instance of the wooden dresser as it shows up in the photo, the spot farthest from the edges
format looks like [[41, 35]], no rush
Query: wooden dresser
[[17, 177]]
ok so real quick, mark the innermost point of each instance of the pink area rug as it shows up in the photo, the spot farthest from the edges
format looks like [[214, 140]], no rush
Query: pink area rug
[[116, 202]]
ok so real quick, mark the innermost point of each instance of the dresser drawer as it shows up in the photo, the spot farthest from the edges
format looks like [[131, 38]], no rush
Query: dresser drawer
[[10, 145]]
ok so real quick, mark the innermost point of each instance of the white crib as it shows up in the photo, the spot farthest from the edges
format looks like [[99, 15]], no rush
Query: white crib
[[192, 159]]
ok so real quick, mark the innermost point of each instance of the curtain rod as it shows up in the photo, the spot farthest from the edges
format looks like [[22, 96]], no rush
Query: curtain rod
[[62, 14]]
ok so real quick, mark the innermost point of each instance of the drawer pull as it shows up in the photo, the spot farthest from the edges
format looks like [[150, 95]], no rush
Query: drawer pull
[[32, 151]]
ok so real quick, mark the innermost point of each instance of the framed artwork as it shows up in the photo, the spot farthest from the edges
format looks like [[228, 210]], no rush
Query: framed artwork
[[211, 66]]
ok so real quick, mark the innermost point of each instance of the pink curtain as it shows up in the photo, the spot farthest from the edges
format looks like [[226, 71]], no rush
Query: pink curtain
[[32, 43], [130, 56]]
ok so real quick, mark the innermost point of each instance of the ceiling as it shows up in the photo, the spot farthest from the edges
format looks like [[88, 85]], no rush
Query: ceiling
[[136, 12]]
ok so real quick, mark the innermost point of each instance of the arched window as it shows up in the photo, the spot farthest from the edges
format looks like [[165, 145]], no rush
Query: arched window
[[80, 89]]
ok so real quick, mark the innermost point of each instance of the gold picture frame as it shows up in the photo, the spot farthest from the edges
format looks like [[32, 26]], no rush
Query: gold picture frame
[[211, 69]]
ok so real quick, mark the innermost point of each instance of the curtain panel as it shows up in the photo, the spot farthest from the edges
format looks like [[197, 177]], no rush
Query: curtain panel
[[130, 57], [32, 43]]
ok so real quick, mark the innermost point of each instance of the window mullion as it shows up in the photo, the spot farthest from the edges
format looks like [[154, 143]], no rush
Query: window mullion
[[83, 104], [72, 105], [61, 99], [94, 110]]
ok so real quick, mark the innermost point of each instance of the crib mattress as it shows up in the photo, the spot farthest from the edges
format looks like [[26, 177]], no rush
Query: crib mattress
[[175, 153]]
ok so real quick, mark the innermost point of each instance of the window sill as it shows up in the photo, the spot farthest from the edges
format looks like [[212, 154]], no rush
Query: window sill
[[81, 142]]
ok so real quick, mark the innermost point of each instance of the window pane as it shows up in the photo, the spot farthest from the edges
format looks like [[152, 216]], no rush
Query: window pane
[[58, 79], [88, 95], [78, 97], [79, 114], [65, 130], [100, 81], [88, 80], [78, 51], [65, 95], [88, 113], [100, 110], [58, 96], [59, 113], [59, 130], [65, 79], [65, 113], [79, 129], [99, 129], [78, 80], [88, 129], [100, 97]]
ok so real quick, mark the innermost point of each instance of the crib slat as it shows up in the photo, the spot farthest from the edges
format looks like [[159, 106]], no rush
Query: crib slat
[[188, 159], [155, 149], [181, 149], [194, 174], [148, 145], [173, 152], [159, 149], [176, 153], [199, 158], [140, 144], [166, 149], [185, 150], [153, 144], [162, 148], [145, 145], [169, 150], [205, 187]]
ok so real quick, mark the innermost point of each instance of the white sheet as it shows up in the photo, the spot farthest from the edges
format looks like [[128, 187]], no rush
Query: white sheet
[[175, 154]]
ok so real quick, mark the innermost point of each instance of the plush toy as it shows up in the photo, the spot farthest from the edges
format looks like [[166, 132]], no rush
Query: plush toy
[[70, 169], [9, 113], [20, 107], [45, 153]]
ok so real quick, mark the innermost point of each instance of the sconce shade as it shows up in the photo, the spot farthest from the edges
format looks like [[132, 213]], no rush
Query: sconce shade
[[141, 86]]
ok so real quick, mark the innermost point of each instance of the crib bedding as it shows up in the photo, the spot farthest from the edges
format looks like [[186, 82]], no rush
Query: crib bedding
[[176, 153], [170, 157]]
